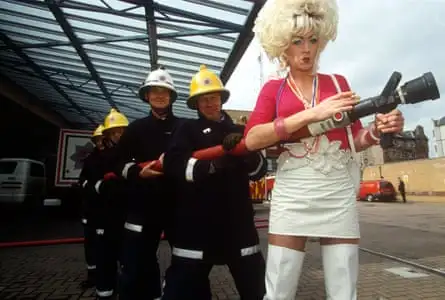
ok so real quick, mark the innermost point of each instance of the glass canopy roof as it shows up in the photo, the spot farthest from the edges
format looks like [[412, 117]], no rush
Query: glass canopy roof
[[82, 57]]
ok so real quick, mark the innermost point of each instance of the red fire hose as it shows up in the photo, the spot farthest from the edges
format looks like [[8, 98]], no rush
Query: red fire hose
[[78, 240], [46, 242], [204, 154], [218, 151], [42, 243]]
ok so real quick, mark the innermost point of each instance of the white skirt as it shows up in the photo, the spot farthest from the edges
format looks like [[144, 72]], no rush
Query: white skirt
[[315, 195]]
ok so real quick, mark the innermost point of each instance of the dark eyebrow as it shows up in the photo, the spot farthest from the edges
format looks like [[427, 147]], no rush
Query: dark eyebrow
[[302, 37]]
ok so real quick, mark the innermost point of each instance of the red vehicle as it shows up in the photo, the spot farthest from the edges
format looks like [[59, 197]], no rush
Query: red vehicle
[[270, 181], [376, 190]]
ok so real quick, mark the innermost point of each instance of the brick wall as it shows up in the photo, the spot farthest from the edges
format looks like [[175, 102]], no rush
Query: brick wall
[[421, 177]]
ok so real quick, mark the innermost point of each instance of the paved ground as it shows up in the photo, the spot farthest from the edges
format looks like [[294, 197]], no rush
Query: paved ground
[[430, 199], [412, 231]]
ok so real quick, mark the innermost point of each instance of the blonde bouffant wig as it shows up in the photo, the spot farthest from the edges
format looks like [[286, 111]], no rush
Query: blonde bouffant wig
[[280, 21]]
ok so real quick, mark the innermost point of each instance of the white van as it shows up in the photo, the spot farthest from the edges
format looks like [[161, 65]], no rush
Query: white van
[[22, 181]]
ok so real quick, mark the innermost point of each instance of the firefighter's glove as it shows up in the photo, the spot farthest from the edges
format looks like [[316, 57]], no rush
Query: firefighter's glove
[[231, 140]]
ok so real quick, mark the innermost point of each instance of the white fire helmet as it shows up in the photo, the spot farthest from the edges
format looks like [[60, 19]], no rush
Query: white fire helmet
[[158, 78]]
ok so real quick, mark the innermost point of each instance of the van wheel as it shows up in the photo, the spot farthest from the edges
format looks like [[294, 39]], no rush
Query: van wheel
[[369, 198]]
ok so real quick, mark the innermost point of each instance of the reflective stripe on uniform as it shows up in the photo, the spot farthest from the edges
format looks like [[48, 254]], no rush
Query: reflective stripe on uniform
[[189, 169], [126, 169], [193, 254], [107, 293], [133, 227], [97, 186], [258, 168], [84, 221], [92, 267], [197, 254], [84, 183], [250, 250]]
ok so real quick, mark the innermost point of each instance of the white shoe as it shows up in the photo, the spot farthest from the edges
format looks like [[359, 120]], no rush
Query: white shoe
[[340, 265], [283, 271]]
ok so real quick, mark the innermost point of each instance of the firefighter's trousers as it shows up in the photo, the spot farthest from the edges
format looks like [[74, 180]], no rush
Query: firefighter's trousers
[[89, 233], [108, 252], [187, 278], [141, 276]]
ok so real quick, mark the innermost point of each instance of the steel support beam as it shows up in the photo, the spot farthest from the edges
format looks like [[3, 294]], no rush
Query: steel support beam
[[194, 32], [91, 95], [180, 29], [8, 42], [89, 8], [220, 6], [197, 17], [139, 33], [241, 44], [138, 37], [152, 33], [130, 38], [58, 14], [84, 76], [128, 84]]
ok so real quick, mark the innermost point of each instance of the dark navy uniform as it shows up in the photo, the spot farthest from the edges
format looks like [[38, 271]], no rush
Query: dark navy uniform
[[110, 219], [150, 204], [89, 216], [214, 222]]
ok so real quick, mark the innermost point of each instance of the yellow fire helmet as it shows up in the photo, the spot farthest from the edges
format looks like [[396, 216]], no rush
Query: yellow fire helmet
[[115, 119], [205, 82], [98, 131], [159, 78]]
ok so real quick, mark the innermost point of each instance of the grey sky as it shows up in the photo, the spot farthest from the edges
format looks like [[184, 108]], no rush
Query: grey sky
[[375, 38]]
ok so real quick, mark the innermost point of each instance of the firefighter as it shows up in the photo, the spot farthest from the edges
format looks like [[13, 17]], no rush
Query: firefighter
[[88, 208], [112, 200], [214, 223], [150, 197]]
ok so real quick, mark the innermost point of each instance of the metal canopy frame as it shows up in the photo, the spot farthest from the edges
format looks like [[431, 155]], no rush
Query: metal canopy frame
[[83, 57]]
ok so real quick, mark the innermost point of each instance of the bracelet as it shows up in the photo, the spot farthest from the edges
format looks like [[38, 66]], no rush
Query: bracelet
[[371, 136], [280, 130]]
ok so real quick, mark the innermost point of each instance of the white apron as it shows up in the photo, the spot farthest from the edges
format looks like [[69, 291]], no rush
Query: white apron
[[315, 195]]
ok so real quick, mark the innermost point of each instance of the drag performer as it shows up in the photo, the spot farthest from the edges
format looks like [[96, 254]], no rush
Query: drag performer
[[111, 208], [89, 207], [316, 180], [214, 221]]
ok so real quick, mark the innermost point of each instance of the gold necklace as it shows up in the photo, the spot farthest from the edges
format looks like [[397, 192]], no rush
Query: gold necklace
[[299, 94], [307, 105]]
